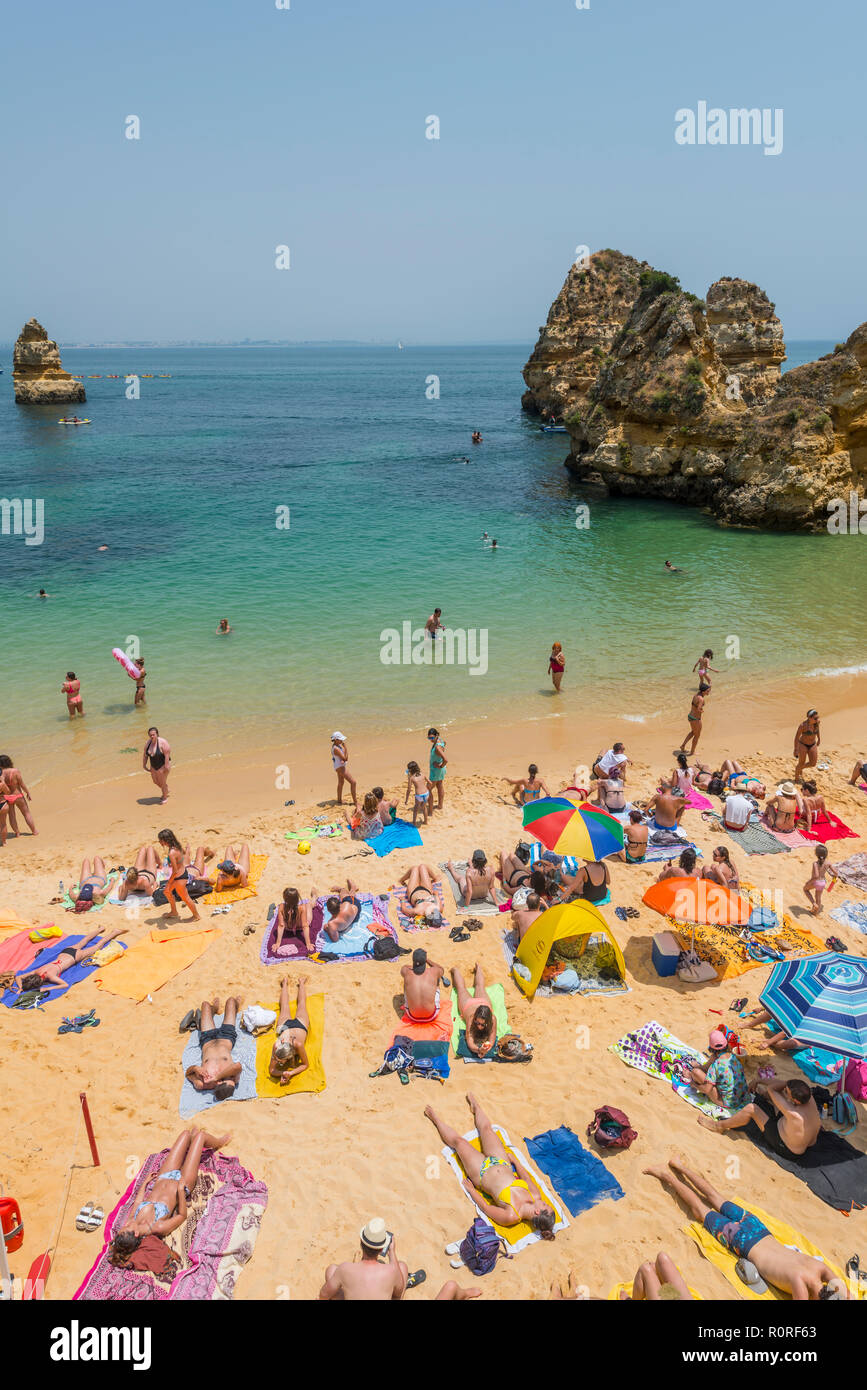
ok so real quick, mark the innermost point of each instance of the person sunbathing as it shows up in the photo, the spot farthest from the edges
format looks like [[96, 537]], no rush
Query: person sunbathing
[[685, 867], [813, 805], [635, 836], [529, 788], [288, 1055], [787, 1116], [142, 877], [496, 1180], [734, 776], [50, 976], [739, 1231], [421, 894], [293, 919], [477, 1012], [515, 868], [722, 870], [666, 808], [779, 1039], [234, 870], [218, 1071], [784, 808], [160, 1203], [478, 881], [344, 911], [859, 772], [421, 987], [93, 885], [524, 917], [372, 1278], [610, 794], [658, 1281]]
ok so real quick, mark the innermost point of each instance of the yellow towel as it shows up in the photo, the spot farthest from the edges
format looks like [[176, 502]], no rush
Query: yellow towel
[[11, 924], [627, 1288], [237, 895], [313, 1079], [512, 1234], [148, 965], [726, 1261]]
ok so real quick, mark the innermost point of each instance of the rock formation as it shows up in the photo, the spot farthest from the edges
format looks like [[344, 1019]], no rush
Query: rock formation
[[37, 374], [687, 400]]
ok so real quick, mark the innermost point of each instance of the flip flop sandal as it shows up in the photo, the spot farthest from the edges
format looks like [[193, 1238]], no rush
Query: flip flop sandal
[[621, 913], [187, 1021], [404, 1078], [248, 931], [415, 1279], [95, 1219], [88, 1020], [454, 933], [854, 1270], [462, 936], [83, 1217], [632, 912], [473, 925]]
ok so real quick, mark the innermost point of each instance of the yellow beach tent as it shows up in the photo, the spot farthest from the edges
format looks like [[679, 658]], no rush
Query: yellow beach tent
[[566, 919]]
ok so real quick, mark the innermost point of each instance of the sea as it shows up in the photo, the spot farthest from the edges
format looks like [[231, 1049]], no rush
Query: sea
[[325, 500]]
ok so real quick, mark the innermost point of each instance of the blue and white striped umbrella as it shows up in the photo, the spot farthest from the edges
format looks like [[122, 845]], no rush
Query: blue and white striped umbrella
[[821, 1000]]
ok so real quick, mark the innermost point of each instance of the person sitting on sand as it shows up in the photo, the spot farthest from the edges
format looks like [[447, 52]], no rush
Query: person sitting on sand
[[293, 919], [421, 894], [695, 718], [684, 868], [784, 808], [234, 869], [859, 773], [722, 1079], [142, 877], [610, 794], [340, 763], [734, 776], [635, 835], [477, 883], [612, 763], [420, 786], [817, 882], [421, 987], [366, 822], [476, 1011], [779, 1039], [344, 911], [666, 808], [592, 882], [93, 885], [14, 794], [496, 1181], [807, 739], [218, 1071], [71, 688], [524, 917], [387, 809], [529, 788], [161, 1202], [176, 884], [288, 1055], [50, 976], [787, 1115], [515, 868], [722, 870], [737, 811], [739, 1231], [812, 804], [374, 1278], [681, 779]]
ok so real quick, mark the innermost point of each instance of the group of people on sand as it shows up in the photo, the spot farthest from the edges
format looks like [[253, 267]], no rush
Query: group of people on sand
[[376, 811]]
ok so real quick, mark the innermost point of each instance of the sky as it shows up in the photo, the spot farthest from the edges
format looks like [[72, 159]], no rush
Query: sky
[[306, 127]]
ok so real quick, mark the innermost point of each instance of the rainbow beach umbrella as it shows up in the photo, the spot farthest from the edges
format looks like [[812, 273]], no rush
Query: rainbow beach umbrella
[[565, 827]]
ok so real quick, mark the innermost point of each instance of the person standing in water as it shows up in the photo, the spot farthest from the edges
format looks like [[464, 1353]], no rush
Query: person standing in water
[[703, 666], [71, 688], [158, 754], [140, 683], [433, 624], [224, 627], [557, 664]]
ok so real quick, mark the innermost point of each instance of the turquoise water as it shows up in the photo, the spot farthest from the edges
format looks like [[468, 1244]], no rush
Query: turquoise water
[[385, 523]]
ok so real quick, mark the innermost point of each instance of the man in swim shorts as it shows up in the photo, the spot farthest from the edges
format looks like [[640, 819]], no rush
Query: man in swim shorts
[[421, 987], [344, 910], [612, 763], [666, 808], [859, 772], [524, 917], [218, 1071], [787, 1115], [739, 1231]]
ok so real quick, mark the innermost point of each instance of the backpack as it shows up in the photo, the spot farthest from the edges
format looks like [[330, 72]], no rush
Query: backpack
[[856, 1080], [843, 1113], [384, 948], [610, 1128], [480, 1247]]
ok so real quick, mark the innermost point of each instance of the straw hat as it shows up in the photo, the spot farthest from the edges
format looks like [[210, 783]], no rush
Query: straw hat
[[374, 1235], [787, 789]]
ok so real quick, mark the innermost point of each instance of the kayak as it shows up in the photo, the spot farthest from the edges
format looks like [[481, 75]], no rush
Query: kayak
[[73, 422], [554, 429]]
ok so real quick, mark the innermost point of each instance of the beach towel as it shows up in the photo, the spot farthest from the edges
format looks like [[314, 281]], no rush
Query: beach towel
[[819, 1065], [438, 1030], [651, 1049], [11, 924], [155, 960], [313, 1079], [627, 1289], [579, 1177], [483, 908], [833, 1169], [69, 901], [497, 996], [791, 839], [330, 830], [214, 1243], [237, 895], [406, 919], [755, 838], [727, 953], [133, 899], [399, 835], [17, 951], [725, 1260], [853, 871], [516, 1237], [371, 921], [696, 802], [432, 1054], [830, 827], [293, 948], [192, 1102], [72, 976], [848, 913]]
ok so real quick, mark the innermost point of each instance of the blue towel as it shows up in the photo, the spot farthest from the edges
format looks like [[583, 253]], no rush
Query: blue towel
[[577, 1175], [399, 835], [820, 1066], [244, 1051], [70, 977]]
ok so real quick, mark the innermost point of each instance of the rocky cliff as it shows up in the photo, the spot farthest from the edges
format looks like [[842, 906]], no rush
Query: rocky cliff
[[37, 374], [687, 400]]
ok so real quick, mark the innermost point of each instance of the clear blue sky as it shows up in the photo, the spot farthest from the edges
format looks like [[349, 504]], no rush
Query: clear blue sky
[[306, 127]]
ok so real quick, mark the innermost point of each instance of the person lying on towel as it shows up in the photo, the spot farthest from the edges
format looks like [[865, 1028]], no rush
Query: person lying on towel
[[421, 987], [161, 1203], [50, 976], [288, 1056], [421, 895], [218, 1072], [497, 1182], [761, 1257], [787, 1115], [343, 911], [234, 869]]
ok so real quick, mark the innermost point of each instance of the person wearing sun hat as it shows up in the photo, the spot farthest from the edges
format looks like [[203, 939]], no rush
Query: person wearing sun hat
[[784, 808], [722, 1079], [371, 1278], [340, 763]]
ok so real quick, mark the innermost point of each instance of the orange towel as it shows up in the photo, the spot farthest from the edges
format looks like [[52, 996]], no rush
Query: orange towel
[[151, 963], [438, 1030]]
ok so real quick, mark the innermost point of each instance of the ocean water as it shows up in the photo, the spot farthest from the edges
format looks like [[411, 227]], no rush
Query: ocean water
[[387, 501]]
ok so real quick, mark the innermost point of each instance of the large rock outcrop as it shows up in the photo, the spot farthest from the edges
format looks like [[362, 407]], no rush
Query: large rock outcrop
[[37, 374], [688, 403]]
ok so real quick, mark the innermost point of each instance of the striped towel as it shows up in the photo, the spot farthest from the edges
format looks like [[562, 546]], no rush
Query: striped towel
[[567, 862]]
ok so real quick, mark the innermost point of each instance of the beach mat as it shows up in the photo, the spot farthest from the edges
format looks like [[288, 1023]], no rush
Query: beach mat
[[497, 996], [579, 1177], [725, 1260], [650, 1048], [192, 1102], [833, 1169], [830, 827], [848, 914], [214, 1243], [313, 1079], [71, 977], [293, 948], [17, 951], [371, 921], [476, 909], [518, 1237], [152, 962], [695, 801], [237, 895], [755, 838], [790, 839], [399, 835], [853, 871], [11, 924], [721, 947], [329, 830], [614, 1295], [438, 1030], [407, 921]]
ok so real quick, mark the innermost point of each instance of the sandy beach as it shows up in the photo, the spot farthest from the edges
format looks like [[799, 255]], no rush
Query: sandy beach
[[362, 1147]]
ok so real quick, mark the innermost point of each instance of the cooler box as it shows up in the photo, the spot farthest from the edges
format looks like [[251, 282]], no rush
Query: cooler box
[[666, 953]]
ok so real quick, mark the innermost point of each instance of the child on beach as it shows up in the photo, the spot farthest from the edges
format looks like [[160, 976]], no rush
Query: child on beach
[[703, 666], [817, 882], [419, 784]]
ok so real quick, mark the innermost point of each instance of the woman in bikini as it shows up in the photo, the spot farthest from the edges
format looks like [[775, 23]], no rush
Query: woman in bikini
[[557, 664], [696, 712], [783, 810], [293, 919], [681, 779], [807, 740], [158, 754], [635, 834], [288, 1055], [496, 1181], [93, 885], [140, 679], [176, 886], [813, 804], [515, 868], [234, 869], [142, 877], [340, 763], [477, 1012], [50, 976], [71, 688], [421, 895], [722, 870], [529, 788], [734, 776], [13, 793], [159, 1205]]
